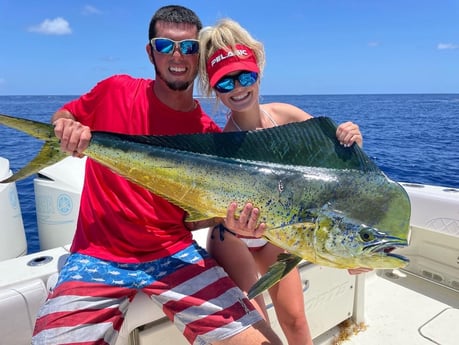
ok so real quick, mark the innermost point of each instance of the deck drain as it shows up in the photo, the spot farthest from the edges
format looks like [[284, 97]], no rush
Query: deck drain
[[40, 260]]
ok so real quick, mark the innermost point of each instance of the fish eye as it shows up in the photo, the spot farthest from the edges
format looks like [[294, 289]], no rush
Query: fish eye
[[366, 235]]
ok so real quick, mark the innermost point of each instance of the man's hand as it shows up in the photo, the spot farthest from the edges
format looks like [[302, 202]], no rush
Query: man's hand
[[354, 271], [74, 137]]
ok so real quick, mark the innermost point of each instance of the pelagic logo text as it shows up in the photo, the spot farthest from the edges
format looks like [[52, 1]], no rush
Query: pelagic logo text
[[221, 57]]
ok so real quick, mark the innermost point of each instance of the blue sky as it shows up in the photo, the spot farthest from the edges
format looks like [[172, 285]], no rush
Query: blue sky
[[313, 46]]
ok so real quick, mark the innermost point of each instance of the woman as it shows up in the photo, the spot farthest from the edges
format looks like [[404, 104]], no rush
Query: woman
[[231, 64]]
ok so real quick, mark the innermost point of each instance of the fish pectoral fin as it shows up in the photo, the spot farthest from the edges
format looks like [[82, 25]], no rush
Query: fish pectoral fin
[[284, 264], [49, 154]]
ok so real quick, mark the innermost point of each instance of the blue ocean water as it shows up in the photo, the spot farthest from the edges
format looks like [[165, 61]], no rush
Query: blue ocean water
[[412, 138]]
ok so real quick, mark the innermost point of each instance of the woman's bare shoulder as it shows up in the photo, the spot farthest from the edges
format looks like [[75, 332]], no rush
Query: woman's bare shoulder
[[285, 113]]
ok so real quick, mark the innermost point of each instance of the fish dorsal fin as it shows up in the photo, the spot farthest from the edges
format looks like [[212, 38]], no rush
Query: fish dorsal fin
[[310, 143]]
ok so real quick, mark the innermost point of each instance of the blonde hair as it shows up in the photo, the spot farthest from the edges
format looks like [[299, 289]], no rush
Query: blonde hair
[[225, 35]]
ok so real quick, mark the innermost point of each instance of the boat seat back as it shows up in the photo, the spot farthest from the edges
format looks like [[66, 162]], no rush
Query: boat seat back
[[434, 234], [433, 256], [22, 300]]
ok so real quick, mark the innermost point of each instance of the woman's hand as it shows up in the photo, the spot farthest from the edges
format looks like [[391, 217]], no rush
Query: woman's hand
[[348, 133], [247, 222]]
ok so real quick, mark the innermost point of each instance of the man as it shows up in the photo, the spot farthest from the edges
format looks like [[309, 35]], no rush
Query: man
[[128, 239]]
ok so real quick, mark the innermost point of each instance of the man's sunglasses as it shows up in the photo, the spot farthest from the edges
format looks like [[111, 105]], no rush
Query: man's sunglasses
[[167, 46], [227, 83]]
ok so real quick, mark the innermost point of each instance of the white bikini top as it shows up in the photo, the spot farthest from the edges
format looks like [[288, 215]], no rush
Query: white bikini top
[[263, 111]]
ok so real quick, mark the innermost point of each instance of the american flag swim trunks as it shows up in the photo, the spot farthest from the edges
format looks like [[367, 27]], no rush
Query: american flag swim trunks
[[91, 297]]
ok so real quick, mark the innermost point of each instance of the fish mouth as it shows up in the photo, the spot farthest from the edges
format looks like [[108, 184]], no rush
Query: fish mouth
[[388, 252], [387, 249]]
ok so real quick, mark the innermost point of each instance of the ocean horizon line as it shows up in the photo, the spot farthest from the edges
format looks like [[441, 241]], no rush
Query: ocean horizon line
[[268, 94]]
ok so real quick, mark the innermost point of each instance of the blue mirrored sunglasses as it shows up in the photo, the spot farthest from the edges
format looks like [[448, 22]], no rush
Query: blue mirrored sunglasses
[[167, 46], [227, 83]]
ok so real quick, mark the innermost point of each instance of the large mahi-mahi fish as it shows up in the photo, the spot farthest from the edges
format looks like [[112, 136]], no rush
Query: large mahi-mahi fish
[[321, 202]]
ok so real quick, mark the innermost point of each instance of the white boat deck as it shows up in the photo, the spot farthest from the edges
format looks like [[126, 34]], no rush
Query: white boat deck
[[397, 314]]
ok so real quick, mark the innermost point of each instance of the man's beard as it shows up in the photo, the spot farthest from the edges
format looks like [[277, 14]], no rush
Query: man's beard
[[175, 86]]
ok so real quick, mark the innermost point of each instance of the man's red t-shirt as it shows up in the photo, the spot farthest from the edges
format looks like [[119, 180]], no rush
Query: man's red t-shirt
[[118, 220]]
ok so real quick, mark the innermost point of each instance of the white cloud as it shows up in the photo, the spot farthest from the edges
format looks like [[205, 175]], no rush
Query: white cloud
[[56, 26], [88, 10], [444, 46]]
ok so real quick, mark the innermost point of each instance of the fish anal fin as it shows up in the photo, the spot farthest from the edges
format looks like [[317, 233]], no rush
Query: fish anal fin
[[284, 264]]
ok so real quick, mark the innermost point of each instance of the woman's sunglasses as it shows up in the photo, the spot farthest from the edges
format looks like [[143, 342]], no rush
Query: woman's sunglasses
[[227, 83], [167, 46]]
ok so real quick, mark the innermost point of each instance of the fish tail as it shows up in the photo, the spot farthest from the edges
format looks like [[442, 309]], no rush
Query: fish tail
[[50, 152]]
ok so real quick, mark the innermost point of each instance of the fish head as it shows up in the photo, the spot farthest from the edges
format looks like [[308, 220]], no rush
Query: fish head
[[344, 242]]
